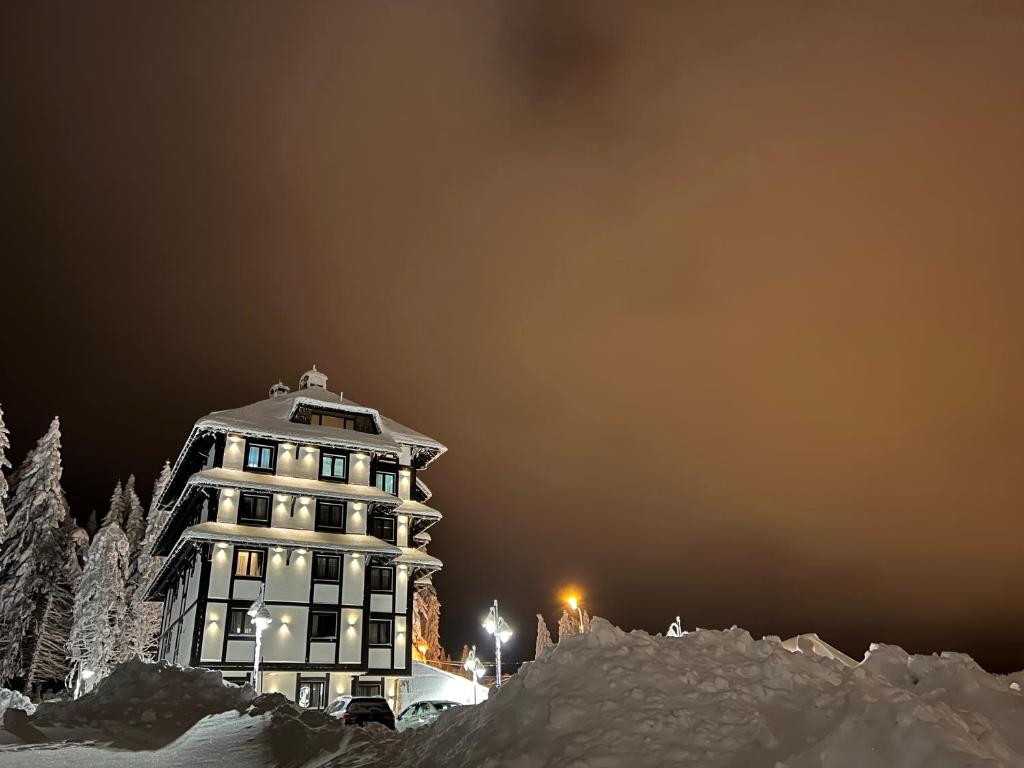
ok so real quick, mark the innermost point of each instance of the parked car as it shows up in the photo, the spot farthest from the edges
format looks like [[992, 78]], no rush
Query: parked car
[[360, 710], [421, 713]]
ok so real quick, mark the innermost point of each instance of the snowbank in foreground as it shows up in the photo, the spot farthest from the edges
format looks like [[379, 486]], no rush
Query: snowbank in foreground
[[145, 704], [610, 698], [13, 700]]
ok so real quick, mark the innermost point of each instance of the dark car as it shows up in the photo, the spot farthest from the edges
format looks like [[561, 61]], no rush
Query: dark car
[[360, 710]]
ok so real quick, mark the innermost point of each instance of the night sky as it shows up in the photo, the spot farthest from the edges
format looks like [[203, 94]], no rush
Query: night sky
[[717, 306]]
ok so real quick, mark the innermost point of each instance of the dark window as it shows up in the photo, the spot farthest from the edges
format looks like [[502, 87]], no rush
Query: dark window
[[330, 516], [387, 482], [380, 632], [254, 510], [259, 457], [333, 466], [355, 421], [382, 579], [368, 689], [323, 626], [383, 528], [326, 568], [239, 623], [249, 563]]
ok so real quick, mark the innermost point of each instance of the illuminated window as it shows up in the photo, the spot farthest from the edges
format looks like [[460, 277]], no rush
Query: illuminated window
[[333, 466], [249, 564], [387, 482], [259, 457]]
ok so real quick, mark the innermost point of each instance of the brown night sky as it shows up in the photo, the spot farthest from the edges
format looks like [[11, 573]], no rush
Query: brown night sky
[[716, 305]]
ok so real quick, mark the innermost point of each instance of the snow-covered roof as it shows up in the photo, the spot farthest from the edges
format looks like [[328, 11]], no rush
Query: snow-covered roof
[[272, 418], [416, 509], [418, 558], [218, 477], [232, 533]]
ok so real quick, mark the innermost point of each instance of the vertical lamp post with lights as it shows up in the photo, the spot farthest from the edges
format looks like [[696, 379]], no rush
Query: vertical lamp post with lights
[[261, 619], [497, 626], [574, 603], [475, 668]]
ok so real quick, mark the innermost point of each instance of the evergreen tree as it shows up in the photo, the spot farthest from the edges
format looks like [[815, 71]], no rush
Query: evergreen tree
[[144, 617], [426, 621], [117, 507], [5, 445], [37, 571], [97, 640], [92, 526], [134, 519], [543, 636], [566, 625]]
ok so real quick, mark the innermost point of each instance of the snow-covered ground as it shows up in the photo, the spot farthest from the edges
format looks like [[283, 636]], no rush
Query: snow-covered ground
[[600, 700]]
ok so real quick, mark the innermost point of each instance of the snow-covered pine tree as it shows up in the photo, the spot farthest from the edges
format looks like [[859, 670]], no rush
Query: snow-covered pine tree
[[134, 529], [567, 625], [543, 636], [115, 514], [426, 621], [97, 639], [92, 525], [144, 617], [134, 518], [5, 445], [37, 578]]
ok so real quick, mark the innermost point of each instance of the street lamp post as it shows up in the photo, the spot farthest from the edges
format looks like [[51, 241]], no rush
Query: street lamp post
[[574, 603], [497, 626], [475, 668], [261, 619]]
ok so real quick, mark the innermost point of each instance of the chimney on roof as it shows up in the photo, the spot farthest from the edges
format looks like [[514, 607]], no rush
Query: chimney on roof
[[279, 389], [313, 378]]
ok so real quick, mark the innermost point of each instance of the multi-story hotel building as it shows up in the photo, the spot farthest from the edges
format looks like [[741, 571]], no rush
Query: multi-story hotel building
[[317, 500]]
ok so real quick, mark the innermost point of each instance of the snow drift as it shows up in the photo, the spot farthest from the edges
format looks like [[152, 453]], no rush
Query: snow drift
[[146, 704], [605, 699], [610, 698]]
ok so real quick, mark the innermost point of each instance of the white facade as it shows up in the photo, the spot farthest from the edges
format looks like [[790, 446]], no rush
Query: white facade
[[314, 498]]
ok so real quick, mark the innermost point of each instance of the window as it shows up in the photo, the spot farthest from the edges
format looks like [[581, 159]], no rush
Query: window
[[249, 564], [239, 623], [254, 509], [330, 516], [383, 528], [333, 466], [312, 694], [362, 688], [259, 457], [380, 632], [382, 579], [323, 625], [387, 482], [326, 568]]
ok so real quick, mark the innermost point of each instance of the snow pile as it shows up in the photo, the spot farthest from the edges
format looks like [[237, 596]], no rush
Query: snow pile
[[13, 700], [143, 703], [608, 698]]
